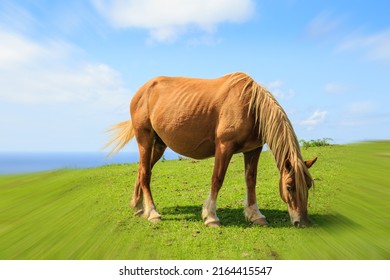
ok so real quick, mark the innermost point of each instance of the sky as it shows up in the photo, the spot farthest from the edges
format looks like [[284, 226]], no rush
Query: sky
[[68, 69]]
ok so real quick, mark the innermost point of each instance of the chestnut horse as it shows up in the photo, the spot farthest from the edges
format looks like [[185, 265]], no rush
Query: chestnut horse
[[201, 118]]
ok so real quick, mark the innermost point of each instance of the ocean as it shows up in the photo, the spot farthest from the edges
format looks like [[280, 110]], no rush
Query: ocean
[[19, 162]]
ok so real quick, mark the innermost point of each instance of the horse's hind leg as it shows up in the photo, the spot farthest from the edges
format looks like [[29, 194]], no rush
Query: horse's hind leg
[[251, 210], [137, 197], [146, 142]]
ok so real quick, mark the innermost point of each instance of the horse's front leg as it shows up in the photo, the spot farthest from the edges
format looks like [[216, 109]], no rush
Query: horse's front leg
[[223, 155], [251, 210]]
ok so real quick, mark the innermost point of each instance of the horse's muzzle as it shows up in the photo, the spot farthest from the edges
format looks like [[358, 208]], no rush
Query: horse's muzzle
[[298, 219], [302, 223]]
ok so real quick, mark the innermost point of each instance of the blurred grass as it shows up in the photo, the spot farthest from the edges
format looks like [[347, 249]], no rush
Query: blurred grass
[[84, 214], [360, 225]]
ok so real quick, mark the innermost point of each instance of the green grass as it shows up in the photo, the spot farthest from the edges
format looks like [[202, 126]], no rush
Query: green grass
[[84, 214]]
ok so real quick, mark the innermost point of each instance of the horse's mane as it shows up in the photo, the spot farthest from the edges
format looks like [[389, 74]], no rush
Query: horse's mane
[[274, 129]]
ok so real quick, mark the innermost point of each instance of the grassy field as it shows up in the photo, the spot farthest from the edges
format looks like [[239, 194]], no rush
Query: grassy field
[[84, 214]]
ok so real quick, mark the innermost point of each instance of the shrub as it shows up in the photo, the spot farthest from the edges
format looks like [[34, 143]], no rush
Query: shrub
[[315, 143]]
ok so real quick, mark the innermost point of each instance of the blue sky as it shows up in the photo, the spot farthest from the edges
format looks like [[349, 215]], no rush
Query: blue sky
[[68, 69]]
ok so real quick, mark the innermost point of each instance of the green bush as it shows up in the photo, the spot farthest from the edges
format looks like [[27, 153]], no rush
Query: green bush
[[315, 143]]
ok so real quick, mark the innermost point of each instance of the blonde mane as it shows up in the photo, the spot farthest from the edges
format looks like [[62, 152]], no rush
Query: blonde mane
[[274, 129]]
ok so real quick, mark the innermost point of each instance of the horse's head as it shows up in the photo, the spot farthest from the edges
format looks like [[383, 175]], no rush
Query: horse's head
[[294, 192]]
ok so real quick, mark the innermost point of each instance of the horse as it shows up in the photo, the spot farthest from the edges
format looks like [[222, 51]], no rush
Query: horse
[[202, 118]]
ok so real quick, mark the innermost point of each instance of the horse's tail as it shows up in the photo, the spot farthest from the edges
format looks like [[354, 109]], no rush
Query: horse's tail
[[122, 133]]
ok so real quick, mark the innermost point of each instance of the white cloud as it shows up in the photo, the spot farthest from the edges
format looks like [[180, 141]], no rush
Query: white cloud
[[374, 46], [51, 99], [363, 114], [275, 84], [276, 88], [165, 20], [206, 40], [15, 17], [15, 49], [48, 73], [362, 107], [316, 118], [368, 121], [323, 24], [336, 88]]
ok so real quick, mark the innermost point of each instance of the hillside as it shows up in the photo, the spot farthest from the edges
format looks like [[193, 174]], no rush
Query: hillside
[[84, 214]]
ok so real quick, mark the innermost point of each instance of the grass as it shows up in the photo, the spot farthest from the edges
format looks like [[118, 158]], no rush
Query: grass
[[84, 214]]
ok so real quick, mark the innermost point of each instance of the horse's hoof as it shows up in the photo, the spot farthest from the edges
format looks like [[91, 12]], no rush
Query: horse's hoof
[[155, 220], [260, 222], [139, 212], [213, 224], [154, 216]]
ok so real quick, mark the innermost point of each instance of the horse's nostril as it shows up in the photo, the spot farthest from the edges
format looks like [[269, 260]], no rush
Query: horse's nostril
[[297, 223]]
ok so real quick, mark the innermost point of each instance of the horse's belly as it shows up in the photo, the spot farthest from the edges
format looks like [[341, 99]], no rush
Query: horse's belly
[[188, 140], [190, 146]]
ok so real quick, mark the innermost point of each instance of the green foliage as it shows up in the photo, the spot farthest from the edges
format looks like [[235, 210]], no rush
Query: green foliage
[[315, 143], [84, 214]]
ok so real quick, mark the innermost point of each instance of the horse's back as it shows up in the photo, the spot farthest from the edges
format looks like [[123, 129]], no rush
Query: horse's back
[[189, 113]]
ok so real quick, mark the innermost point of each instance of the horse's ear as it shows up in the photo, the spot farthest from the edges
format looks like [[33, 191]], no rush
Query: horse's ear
[[309, 163]]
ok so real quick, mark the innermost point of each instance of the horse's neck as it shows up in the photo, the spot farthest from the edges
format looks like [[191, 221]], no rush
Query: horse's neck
[[276, 151], [284, 149]]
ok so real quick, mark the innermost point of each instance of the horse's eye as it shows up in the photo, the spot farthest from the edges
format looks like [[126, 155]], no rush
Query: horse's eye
[[290, 188]]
